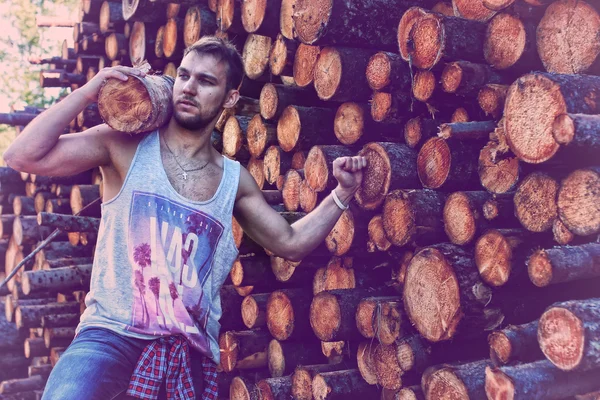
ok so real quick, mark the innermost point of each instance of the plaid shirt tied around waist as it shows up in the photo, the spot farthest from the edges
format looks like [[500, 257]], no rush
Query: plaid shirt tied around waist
[[168, 358]]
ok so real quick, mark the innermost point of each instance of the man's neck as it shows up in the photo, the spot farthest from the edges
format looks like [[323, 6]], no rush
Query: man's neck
[[189, 144]]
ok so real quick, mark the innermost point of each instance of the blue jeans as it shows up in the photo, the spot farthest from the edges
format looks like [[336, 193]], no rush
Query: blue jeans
[[97, 365]]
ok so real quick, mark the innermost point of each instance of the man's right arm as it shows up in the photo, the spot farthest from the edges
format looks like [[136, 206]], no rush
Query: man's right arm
[[42, 149]]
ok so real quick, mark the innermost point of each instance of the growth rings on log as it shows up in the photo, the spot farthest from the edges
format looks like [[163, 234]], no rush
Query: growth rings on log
[[138, 104]]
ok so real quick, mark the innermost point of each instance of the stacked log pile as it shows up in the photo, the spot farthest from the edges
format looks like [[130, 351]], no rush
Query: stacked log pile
[[468, 265]]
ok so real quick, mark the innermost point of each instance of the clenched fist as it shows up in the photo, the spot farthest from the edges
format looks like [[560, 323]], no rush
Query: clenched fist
[[349, 173]]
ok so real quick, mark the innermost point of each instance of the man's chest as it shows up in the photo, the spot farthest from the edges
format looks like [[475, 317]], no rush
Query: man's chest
[[199, 185]]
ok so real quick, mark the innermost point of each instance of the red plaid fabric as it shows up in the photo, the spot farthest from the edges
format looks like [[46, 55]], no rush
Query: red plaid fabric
[[168, 358]]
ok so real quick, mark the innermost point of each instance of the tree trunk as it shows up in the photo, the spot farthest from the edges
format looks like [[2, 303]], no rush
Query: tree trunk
[[276, 163], [305, 61], [528, 131], [578, 201], [243, 349], [405, 26], [465, 78], [537, 381], [288, 312], [340, 74], [60, 78], [68, 223], [333, 313], [31, 316], [413, 216], [274, 99], [436, 37], [448, 164], [35, 347], [254, 310], [142, 42], [261, 17], [256, 56], [303, 127], [564, 264], [373, 23], [510, 44], [302, 379], [318, 168], [500, 209], [569, 334], [275, 388], [491, 99], [59, 336], [260, 135], [340, 385], [515, 343], [463, 216], [559, 42], [337, 274], [466, 381], [26, 230], [578, 134], [82, 196], [535, 202], [60, 320], [89, 117], [443, 278], [152, 95], [57, 279], [387, 71], [285, 356], [16, 118]]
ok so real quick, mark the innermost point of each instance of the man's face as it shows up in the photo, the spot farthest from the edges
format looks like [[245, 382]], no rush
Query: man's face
[[199, 92]]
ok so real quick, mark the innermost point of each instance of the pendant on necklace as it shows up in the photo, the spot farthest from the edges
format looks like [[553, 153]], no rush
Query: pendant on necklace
[[184, 175]]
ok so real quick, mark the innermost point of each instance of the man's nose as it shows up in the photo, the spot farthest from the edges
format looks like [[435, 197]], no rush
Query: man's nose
[[189, 87]]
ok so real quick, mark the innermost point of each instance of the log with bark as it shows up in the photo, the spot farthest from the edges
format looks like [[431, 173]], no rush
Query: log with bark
[[89, 117], [16, 119], [405, 26], [365, 361], [564, 37], [229, 16], [253, 310], [305, 61], [532, 104], [275, 163], [333, 313], [418, 130], [303, 127], [288, 313], [148, 99], [414, 216], [392, 108], [17, 386], [491, 99], [464, 381], [435, 37], [578, 201], [339, 74], [318, 168], [260, 135], [275, 388], [337, 274], [291, 189], [499, 172], [83, 195], [510, 44], [564, 264], [463, 216], [465, 78], [409, 393], [535, 202], [60, 320], [303, 375], [27, 231], [569, 335], [515, 343], [111, 17], [387, 71], [199, 21], [340, 385], [60, 279], [143, 10], [285, 356], [58, 336], [448, 164], [243, 349], [60, 78], [261, 17], [27, 316], [256, 56], [387, 367], [274, 99], [390, 166], [281, 58], [444, 278], [536, 381], [467, 130], [381, 318], [35, 347], [578, 134], [68, 223], [472, 9], [234, 135]]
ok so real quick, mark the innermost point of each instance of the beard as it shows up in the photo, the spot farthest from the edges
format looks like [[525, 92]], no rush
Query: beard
[[196, 122]]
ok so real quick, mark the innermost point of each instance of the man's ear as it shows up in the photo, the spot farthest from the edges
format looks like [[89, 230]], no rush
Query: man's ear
[[232, 98]]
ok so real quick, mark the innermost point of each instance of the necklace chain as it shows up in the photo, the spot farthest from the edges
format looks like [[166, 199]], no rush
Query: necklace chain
[[183, 169]]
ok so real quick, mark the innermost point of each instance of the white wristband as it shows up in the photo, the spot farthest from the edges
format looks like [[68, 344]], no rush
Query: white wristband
[[338, 201]]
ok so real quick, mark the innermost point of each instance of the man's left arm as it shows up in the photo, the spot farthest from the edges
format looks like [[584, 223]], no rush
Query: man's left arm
[[293, 242]]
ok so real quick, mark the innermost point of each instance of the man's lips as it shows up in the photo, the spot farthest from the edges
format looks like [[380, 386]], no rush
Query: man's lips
[[187, 103]]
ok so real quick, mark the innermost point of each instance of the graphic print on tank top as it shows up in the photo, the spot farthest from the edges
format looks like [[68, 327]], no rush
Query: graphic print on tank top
[[171, 249]]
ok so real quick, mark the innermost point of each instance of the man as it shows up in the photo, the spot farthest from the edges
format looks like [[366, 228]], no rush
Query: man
[[165, 243]]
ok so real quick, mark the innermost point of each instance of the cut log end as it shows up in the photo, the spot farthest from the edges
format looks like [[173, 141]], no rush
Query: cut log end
[[459, 218], [291, 190], [500, 347], [289, 126], [398, 221], [427, 36], [377, 239], [389, 373], [532, 104], [378, 71], [272, 165], [561, 336], [431, 295], [497, 174], [472, 9], [276, 359], [229, 348], [286, 20], [282, 268], [381, 105], [268, 101], [563, 129], [366, 362], [250, 312], [302, 384], [433, 163], [233, 137], [316, 169], [562, 235], [253, 14], [325, 316], [256, 55], [349, 123], [578, 202], [305, 60], [310, 17], [565, 37], [408, 20], [424, 83], [308, 197], [340, 238], [491, 99], [376, 178], [444, 383], [535, 202], [126, 106], [452, 77], [328, 73], [505, 41], [493, 256], [238, 390], [280, 315], [540, 268], [498, 386], [320, 388]]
